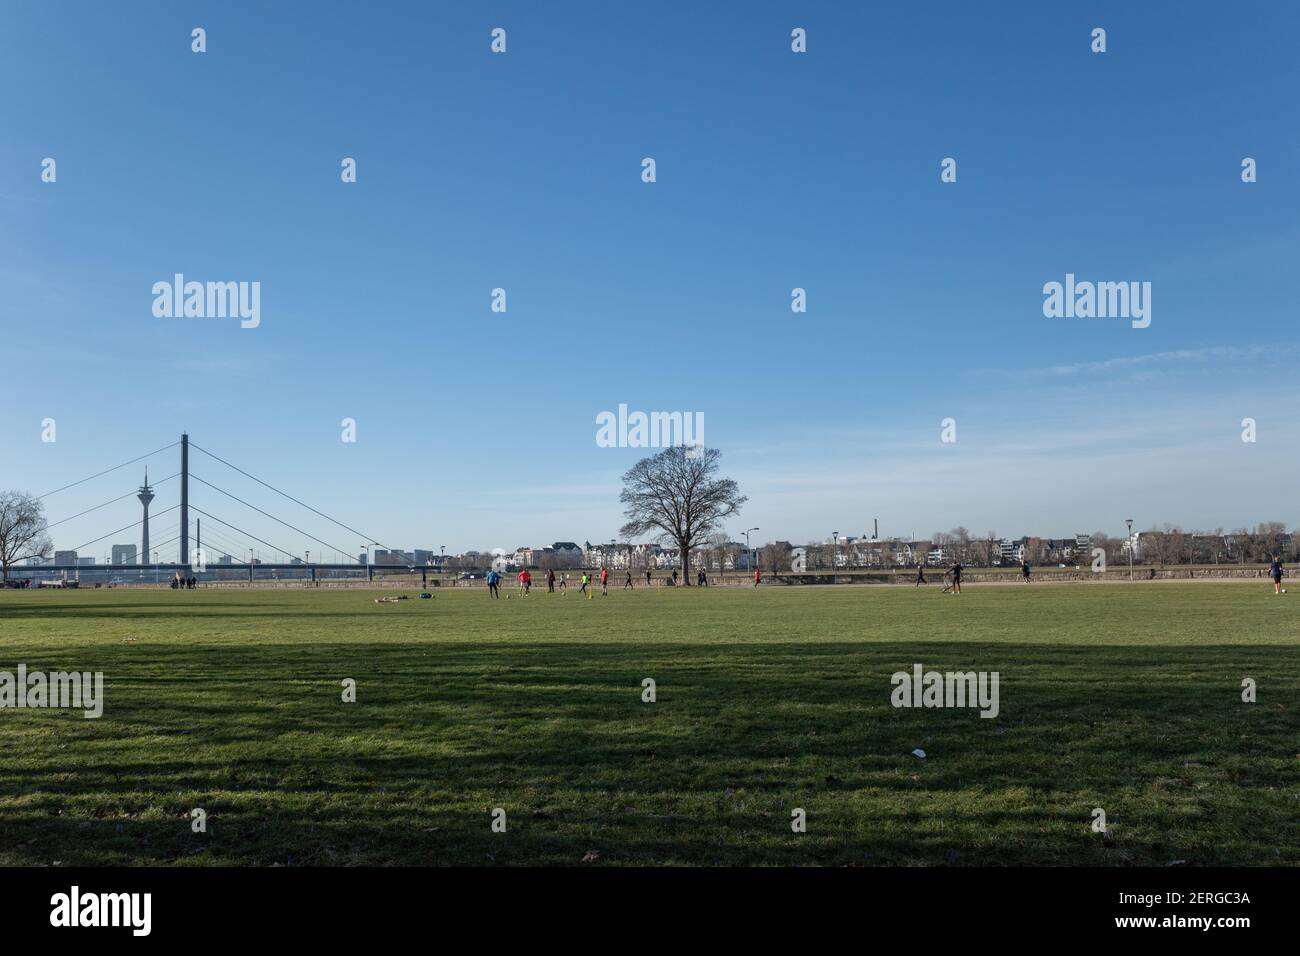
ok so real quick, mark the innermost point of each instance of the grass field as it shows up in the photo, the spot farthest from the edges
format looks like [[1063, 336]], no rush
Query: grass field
[[1120, 697]]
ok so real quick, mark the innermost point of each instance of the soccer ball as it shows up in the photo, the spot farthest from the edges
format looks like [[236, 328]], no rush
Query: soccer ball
[[1284, 590]]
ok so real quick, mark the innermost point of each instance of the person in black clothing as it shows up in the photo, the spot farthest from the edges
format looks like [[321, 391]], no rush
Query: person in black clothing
[[920, 575], [1024, 570], [1275, 572], [956, 577]]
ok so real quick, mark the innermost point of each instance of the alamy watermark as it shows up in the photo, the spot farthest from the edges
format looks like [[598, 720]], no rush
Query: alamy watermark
[[75, 908], [923, 688], [1098, 300], [651, 430], [58, 689], [208, 300]]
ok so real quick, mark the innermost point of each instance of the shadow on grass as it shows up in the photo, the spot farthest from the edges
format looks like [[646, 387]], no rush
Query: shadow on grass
[[556, 733]]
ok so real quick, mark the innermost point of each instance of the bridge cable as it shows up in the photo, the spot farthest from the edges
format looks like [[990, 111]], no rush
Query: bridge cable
[[106, 504], [287, 495], [269, 515], [127, 528], [105, 472], [243, 532]]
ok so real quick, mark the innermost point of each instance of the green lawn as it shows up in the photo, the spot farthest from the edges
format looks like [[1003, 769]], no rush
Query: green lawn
[[1113, 696]]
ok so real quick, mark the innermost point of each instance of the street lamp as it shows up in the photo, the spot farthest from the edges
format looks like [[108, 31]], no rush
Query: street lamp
[[1129, 522], [749, 549], [836, 553]]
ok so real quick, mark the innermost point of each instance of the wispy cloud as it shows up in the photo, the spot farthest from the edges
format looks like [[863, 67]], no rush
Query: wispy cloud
[[1174, 358]]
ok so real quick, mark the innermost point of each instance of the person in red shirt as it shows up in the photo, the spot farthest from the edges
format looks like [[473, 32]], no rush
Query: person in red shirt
[[604, 581], [758, 576]]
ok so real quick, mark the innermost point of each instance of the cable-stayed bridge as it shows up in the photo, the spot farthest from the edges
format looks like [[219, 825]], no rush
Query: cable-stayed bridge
[[194, 543]]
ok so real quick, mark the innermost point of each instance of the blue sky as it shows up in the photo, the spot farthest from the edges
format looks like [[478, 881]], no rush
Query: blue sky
[[775, 170]]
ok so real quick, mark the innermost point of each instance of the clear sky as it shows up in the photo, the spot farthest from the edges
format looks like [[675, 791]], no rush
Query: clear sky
[[775, 170]]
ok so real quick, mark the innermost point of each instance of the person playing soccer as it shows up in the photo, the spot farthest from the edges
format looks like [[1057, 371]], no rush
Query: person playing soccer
[[1024, 571], [493, 580], [956, 577], [604, 581], [628, 583], [550, 581], [920, 575], [564, 582], [758, 576], [1275, 572], [584, 589], [647, 577]]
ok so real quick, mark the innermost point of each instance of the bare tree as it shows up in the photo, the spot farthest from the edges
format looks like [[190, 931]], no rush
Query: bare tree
[[676, 494], [1158, 543], [23, 532], [774, 556], [1270, 536], [718, 549], [961, 541]]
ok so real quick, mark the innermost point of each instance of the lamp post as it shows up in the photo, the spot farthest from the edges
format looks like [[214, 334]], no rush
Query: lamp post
[[749, 549], [1129, 522]]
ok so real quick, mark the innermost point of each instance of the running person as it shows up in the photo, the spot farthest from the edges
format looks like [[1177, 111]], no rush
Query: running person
[[564, 583], [647, 577], [628, 583], [1024, 571], [1275, 572], [584, 589], [758, 576], [920, 575]]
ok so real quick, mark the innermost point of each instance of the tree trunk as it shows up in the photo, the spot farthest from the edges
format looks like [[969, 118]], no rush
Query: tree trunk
[[685, 550]]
